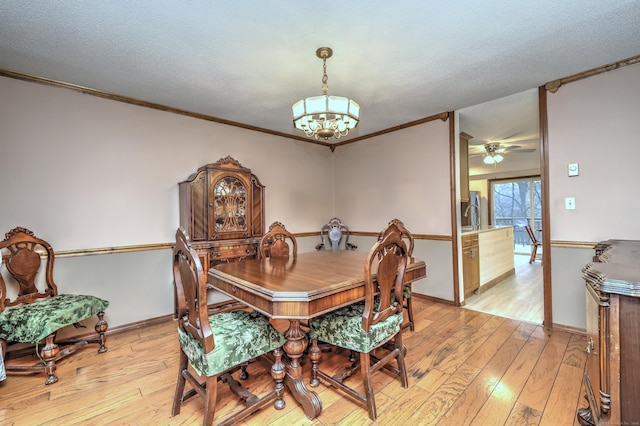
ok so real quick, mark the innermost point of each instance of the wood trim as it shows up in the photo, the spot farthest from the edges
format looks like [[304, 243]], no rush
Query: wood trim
[[453, 200], [442, 116], [432, 237], [432, 298], [112, 250], [546, 212], [163, 246], [554, 85], [138, 325], [492, 283], [573, 244], [146, 104], [125, 99], [570, 329]]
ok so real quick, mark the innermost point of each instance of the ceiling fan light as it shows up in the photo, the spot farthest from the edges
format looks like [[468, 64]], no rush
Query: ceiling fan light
[[488, 159], [498, 158]]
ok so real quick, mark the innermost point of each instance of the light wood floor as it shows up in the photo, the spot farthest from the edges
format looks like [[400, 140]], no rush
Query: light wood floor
[[520, 296], [465, 368]]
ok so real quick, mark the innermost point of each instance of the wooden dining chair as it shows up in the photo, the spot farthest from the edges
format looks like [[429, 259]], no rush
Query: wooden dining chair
[[32, 311], [218, 340], [274, 242], [407, 303], [369, 325], [534, 243], [335, 231]]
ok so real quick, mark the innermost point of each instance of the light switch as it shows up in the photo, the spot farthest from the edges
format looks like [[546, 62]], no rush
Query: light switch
[[570, 203], [573, 169]]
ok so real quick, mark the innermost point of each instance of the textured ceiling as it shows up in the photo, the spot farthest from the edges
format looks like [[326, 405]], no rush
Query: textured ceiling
[[249, 61]]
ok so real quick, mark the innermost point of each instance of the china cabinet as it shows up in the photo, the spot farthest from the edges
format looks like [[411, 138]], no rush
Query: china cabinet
[[222, 210]]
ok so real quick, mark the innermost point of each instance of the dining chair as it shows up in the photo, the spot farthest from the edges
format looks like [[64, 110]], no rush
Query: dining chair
[[218, 340], [367, 326], [407, 303], [534, 243], [274, 242], [32, 311], [335, 230]]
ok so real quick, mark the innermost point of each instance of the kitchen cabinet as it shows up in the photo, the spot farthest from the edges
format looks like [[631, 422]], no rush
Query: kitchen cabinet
[[470, 264], [612, 377], [222, 210], [464, 166]]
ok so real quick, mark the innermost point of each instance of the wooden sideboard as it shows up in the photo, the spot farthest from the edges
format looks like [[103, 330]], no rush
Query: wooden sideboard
[[222, 210], [612, 376]]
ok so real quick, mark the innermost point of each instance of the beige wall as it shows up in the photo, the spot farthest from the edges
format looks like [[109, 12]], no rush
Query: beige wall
[[85, 172], [404, 175], [593, 122]]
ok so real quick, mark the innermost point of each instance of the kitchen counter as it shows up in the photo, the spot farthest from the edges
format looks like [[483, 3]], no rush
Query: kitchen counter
[[466, 230], [495, 246]]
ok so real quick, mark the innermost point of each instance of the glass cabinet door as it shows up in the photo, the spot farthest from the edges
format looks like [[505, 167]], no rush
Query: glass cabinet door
[[230, 206]]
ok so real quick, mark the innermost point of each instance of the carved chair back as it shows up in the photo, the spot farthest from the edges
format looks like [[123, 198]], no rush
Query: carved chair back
[[384, 274], [191, 292], [405, 235], [21, 252], [274, 242], [335, 231]]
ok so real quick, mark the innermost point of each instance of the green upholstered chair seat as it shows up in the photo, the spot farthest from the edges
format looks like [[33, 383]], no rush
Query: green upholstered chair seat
[[344, 328], [33, 322], [406, 291], [239, 336]]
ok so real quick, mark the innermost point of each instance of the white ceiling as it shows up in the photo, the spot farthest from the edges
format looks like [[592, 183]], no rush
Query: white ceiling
[[249, 61]]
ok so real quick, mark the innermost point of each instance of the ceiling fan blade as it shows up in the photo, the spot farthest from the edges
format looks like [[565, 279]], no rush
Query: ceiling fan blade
[[522, 151]]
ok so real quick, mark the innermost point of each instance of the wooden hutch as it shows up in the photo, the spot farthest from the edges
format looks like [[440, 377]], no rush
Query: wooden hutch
[[222, 210], [612, 376]]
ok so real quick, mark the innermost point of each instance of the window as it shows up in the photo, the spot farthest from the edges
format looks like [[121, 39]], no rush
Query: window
[[518, 202]]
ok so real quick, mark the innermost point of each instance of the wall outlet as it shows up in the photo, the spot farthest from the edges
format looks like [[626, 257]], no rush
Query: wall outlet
[[570, 203]]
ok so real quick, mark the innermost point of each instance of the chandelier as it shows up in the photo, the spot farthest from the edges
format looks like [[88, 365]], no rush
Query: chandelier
[[493, 153], [325, 116]]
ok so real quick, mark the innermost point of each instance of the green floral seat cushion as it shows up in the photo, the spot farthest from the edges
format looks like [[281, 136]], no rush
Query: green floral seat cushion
[[33, 322], [406, 291], [344, 328], [239, 336]]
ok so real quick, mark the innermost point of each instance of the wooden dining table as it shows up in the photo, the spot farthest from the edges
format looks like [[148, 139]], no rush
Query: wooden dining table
[[298, 289]]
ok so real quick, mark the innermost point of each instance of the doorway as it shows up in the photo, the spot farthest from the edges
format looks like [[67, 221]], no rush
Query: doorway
[[513, 188], [516, 202]]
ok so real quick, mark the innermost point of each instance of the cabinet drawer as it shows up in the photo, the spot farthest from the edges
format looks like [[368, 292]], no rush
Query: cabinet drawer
[[469, 240], [233, 252]]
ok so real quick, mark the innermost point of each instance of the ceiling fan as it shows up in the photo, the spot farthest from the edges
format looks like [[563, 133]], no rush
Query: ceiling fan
[[494, 152]]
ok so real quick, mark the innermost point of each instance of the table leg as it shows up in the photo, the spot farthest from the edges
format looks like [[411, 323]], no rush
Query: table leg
[[294, 348]]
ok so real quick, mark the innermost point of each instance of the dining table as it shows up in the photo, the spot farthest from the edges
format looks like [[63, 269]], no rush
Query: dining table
[[300, 288]]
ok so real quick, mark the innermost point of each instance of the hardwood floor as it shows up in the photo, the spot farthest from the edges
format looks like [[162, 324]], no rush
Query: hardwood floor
[[518, 297], [465, 368]]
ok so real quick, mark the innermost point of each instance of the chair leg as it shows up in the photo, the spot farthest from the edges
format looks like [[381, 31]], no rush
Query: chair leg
[[314, 356], [534, 250], [48, 354], [177, 398], [365, 369], [278, 372], [410, 314], [101, 328], [402, 350], [211, 393]]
